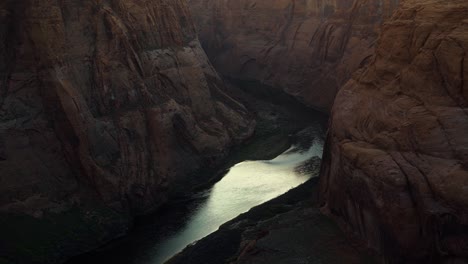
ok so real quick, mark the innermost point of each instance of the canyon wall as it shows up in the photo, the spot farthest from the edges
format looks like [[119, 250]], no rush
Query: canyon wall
[[395, 167], [105, 106], [309, 48]]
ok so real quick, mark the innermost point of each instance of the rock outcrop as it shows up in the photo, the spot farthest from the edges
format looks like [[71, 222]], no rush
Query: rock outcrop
[[105, 107], [309, 48], [396, 163]]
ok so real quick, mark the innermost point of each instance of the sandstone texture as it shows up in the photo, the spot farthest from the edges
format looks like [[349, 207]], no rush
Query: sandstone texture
[[105, 107], [395, 167], [309, 48]]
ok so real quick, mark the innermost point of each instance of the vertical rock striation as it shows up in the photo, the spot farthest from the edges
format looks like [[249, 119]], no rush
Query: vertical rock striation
[[309, 48], [395, 169], [105, 105]]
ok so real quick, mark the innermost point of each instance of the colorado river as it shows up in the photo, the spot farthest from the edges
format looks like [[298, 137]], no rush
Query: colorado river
[[247, 184]]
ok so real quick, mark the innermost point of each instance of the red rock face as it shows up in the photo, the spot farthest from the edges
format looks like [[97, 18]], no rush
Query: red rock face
[[308, 48], [114, 98], [395, 168]]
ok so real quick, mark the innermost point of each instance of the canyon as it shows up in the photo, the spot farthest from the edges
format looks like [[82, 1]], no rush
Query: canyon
[[394, 169], [111, 109]]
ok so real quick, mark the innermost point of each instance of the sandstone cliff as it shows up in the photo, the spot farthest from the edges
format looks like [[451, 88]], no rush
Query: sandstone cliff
[[396, 166], [104, 107], [309, 48]]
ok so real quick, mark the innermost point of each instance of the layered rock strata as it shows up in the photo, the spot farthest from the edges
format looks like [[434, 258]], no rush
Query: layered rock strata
[[395, 167], [308, 48], [105, 106]]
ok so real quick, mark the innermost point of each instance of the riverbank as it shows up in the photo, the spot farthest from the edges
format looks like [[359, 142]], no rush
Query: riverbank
[[279, 117], [287, 229], [279, 120]]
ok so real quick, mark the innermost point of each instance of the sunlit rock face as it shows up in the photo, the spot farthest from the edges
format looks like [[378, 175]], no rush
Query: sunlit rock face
[[395, 166], [309, 48], [112, 99]]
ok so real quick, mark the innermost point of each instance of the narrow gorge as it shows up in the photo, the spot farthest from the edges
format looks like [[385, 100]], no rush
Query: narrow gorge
[[233, 131]]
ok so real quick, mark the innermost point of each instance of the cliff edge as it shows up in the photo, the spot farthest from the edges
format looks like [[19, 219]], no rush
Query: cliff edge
[[105, 108]]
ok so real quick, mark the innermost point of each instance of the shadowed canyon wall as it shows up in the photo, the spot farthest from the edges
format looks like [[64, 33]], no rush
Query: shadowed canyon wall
[[309, 48], [104, 105], [396, 163]]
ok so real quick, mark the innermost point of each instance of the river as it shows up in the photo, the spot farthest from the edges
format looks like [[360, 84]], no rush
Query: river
[[246, 184]]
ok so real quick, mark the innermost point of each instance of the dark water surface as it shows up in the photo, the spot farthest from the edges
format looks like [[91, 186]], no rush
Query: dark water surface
[[247, 184]]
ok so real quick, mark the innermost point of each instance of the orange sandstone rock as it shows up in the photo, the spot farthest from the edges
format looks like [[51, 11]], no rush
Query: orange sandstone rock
[[395, 167]]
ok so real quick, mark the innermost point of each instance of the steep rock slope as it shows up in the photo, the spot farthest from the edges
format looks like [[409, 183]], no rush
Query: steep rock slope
[[309, 48], [396, 164], [105, 106]]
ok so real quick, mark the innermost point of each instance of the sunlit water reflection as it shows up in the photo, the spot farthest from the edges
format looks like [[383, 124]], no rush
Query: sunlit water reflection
[[246, 185], [157, 237]]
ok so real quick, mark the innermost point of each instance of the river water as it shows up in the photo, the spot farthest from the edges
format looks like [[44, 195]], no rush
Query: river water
[[247, 184]]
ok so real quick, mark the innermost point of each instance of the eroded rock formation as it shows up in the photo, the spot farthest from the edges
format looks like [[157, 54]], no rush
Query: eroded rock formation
[[396, 166], [309, 48], [103, 104]]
